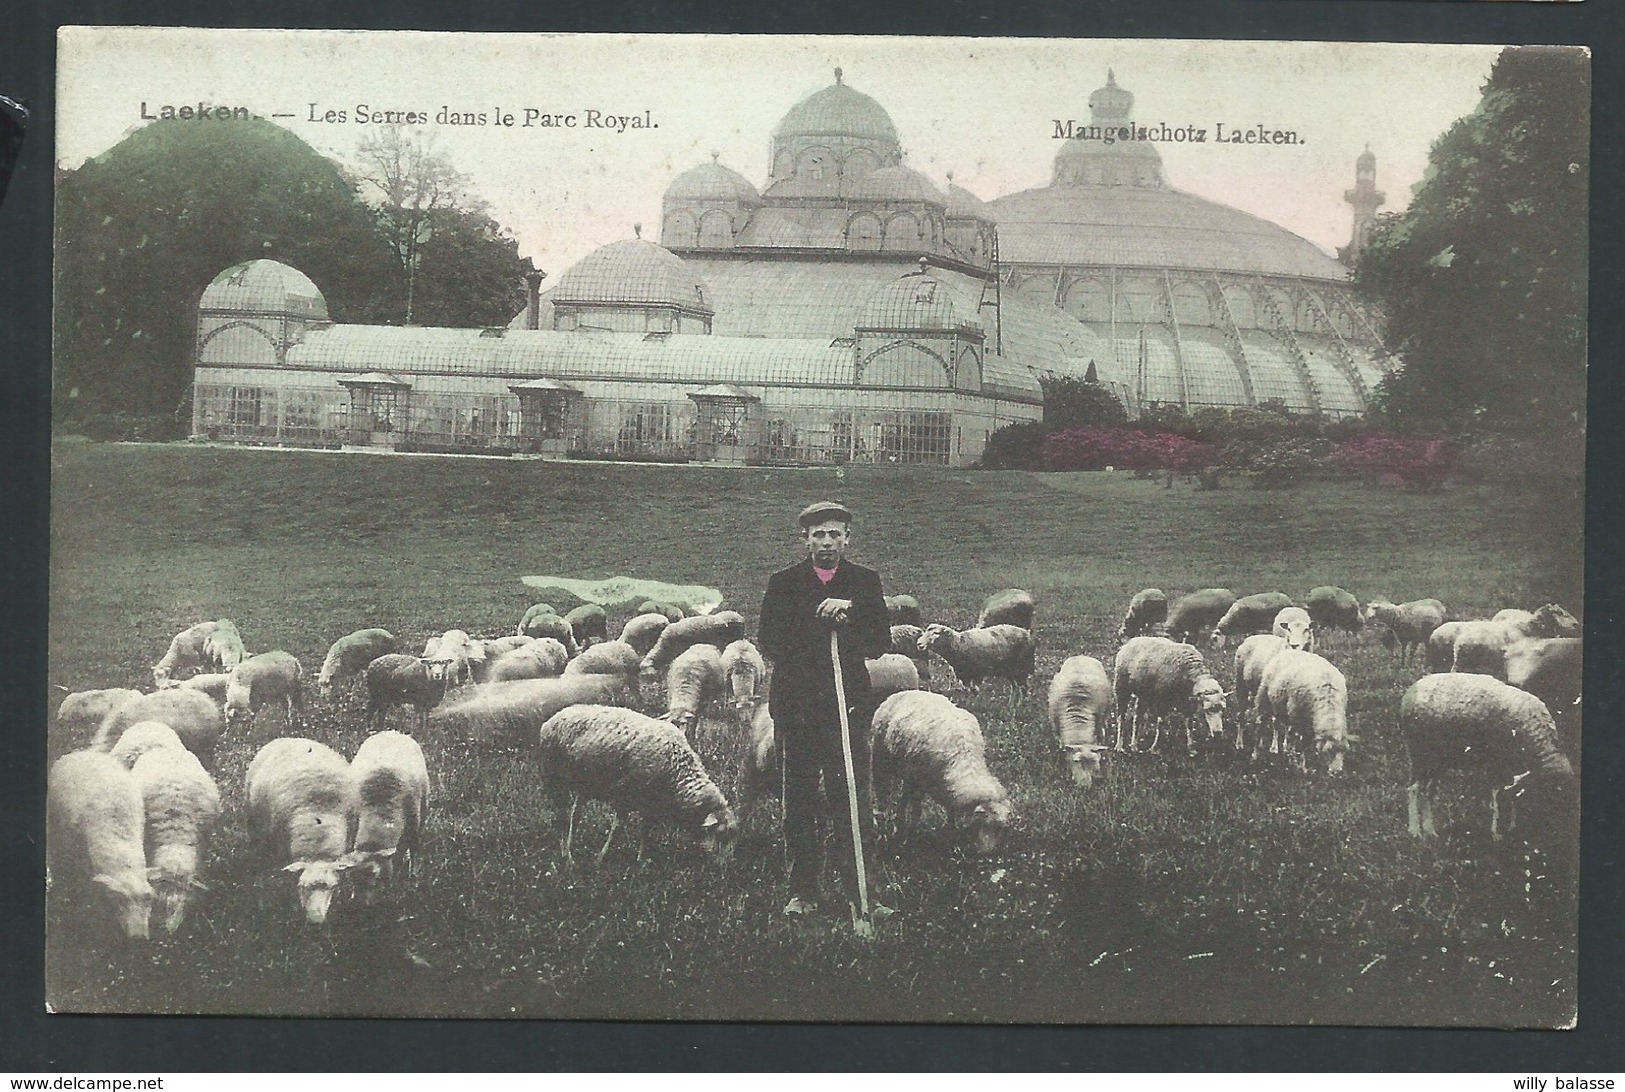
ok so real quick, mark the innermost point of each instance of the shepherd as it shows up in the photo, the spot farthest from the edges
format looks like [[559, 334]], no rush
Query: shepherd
[[820, 619]]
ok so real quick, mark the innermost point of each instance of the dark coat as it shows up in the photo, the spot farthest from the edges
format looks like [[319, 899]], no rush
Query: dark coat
[[797, 642]]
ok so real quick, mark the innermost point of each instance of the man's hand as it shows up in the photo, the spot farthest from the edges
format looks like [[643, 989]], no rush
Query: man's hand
[[835, 611]]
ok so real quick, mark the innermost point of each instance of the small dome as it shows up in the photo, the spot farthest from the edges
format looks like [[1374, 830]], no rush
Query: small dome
[[837, 110], [712, 182], [965, 205], [1366, 159], [1111, 103], [632, 271], [264, 285], [915, 301], [897, 183]]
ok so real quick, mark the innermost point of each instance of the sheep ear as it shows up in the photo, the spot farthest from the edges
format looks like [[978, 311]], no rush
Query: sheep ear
[[390, 852], [297, 866], [104, 879], [981, 809], [711, 821], [199, 885]]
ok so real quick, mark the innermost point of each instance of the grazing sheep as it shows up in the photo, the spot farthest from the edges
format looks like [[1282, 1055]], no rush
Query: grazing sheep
[[588, 625], [542, 658], [1441, 647], [213, 646], [891, 674], [671, 612], [997, 652], [138, 739], [1503, 736], [95, 824], [904, 610], [496, 646], [1079, 697], [260, 680], [182, 805], [532, 613], [1549, 668], [643, 630], [1331, 607], [193, 715], [608, 658], [632, 762], [302, 810], [1252, 655], [924, 745], [398, 679], [1304, 700], [214, 683], [1550, 620], [513, 712], [905, 641], [1410, 623], [746, 674], [350, 655], [392, 788], [82, 712], [1481, 646], [461, 658], [1294, 626], [693, 681], [1192, 617], [1250, 614], [720, 629], [1161, 678], [1147, 611], [1010, 607]]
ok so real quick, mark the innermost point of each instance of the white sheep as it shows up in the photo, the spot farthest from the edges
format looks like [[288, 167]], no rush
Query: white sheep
[[392, 787], [213, 683], [997, 652], [350, 655], [1549, 668], [1252, 655], [1304, 701], [261, 680], [1012, 606], [1158, 677], [94, 832], [588, 625], [82, 712], [212, 646], [496, 646], [924, 745], [458, 656], [1411, 624], [671, 612], [1550, 620], [542, 658], [302, 811], [633, 762], [1192, 617], [608, 658], [1480, 646], [746, 674], [1294, 626], [1248, 615], [904, 610], [1080, 696], [720, 629], [193, 715], [513, 712], [694, 680], [1441, 647], [544, 624], [182, 805], [642, 631], [1147, 611], [399, 679], [1331, 607], [138, 739], [889, 674], [1503, 736], [905, 641]]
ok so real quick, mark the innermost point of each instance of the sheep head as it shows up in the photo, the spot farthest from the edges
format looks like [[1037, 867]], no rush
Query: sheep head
[[1292, 625], [318, 880], [132, 896], [989, 821], [718, 830], [1552, 620], [1210, 701], [1083, 762], [933, 633]]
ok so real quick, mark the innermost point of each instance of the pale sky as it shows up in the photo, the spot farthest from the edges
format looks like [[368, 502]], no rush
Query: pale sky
[[983, 108]]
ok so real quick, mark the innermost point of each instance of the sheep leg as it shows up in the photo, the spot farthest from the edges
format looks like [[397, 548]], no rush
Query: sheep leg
[[614, 823], [1495, 815], [569, 829]]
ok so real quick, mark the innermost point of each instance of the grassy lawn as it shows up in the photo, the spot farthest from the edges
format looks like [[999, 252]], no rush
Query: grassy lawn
[[1175, 890]]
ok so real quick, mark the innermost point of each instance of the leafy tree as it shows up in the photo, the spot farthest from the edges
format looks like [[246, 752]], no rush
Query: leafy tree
[[1483, 278], [1070, 402], [470, 272], [143, 228]]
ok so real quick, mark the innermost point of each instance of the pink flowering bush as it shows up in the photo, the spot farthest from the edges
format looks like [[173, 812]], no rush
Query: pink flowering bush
[[1126, 449], [1424, 462]]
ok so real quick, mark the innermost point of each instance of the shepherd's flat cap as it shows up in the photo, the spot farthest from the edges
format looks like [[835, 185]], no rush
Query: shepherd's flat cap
[[822, 512]]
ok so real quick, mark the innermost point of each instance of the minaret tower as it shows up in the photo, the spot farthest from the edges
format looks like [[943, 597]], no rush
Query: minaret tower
[[1366, 199]]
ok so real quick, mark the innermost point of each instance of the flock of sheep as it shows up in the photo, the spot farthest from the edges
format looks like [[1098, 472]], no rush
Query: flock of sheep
[[133, 811]]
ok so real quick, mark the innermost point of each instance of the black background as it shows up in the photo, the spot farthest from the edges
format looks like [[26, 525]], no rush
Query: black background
[[31, 1040]]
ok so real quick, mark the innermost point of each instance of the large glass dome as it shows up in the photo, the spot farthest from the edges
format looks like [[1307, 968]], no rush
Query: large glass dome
[[264, 286]]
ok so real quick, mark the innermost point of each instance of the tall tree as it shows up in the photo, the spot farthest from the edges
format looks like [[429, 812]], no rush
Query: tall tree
[[1483, 278], [470, 272], [143, 228]]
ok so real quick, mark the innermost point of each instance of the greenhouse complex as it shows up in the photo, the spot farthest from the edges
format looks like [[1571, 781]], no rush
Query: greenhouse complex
[[850, 311]]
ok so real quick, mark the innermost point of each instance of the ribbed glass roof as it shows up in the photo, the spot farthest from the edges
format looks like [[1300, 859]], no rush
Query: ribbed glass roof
[[264, 285], [710, 181], [837, 110], [633, 271]]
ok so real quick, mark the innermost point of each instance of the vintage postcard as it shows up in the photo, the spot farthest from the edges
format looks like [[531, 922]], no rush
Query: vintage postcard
[[712, 527]]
